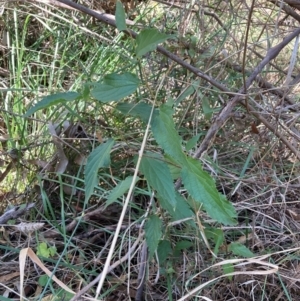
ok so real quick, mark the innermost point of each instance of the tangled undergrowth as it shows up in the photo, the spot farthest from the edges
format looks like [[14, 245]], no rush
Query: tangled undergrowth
[[48, 216]]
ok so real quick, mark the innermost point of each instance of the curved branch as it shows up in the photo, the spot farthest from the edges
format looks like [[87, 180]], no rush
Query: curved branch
[[289, 10]]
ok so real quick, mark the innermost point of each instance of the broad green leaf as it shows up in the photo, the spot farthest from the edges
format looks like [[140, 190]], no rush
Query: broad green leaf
[[115, 87], [119, 190], [43, 280], [207, 110], [85, 92], [182, 209], [62, 295], [217, 235], [52, 251], [202, 188], [99, 157], [158, 176], [171, 271], [42, 250], [163, 251], [240, 250], [120, 16], [182, 245], [174, 168], [228, 268], [148, 39], [51, 100], [170, 102], [192, 142], [153, 233], [209, 52], [163, 129], [141, 110], [187, 92], [2, 298]]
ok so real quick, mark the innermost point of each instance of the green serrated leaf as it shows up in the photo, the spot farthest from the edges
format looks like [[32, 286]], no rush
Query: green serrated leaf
[[99, 157], [120, 16], [119, 190], [174, 168], [163, 251], [182, 209], [148, 39], [42, 250], [170, 102], [158, 176], [182, 245], [51, 100], [202, 188], [115, 87], [163, 129], [141, 110], [240, 250], [153, 233]]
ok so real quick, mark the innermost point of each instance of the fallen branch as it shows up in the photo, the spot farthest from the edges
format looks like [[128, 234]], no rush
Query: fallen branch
[[14, 213]]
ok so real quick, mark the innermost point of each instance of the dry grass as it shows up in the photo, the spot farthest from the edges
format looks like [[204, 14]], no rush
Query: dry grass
[[59, 50]]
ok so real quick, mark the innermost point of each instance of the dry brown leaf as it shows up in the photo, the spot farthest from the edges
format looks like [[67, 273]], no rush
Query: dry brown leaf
[[99, 136], [69, 190], [80, 159], [4, 138], [294, 214], [75, 131], [38, 291], [62, 159], [22, 260], [41, 163], [28, 228], [6, 172], [49, 298], [5, 278]]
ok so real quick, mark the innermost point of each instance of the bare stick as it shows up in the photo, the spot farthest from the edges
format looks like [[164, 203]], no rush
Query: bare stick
[[14, 213]]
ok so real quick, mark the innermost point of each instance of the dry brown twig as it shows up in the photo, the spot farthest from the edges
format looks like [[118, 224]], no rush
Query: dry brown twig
[[14, 213], [112, 267], [286, 6]]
